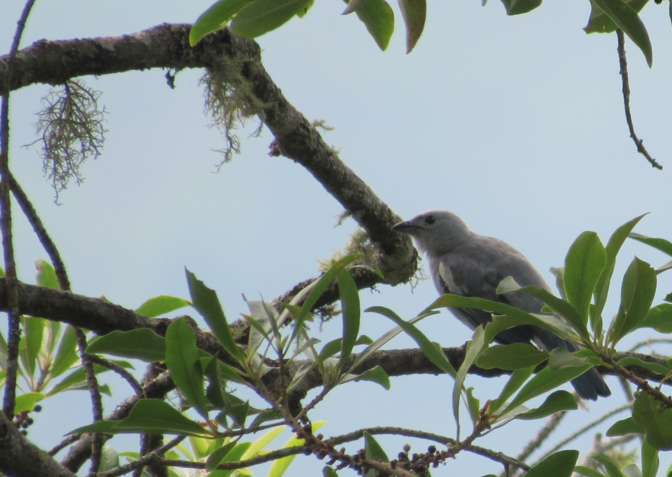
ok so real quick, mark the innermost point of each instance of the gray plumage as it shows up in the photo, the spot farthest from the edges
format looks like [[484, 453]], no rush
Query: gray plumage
[[465, 263]]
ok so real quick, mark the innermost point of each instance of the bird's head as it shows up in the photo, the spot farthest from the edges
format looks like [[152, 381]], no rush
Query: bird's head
[[436, 231]]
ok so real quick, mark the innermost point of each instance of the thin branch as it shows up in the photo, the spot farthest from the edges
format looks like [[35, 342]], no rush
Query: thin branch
[[81, 451], [130, 379], [41, 232], [626, 100], [64, 443], [144, 460], [96, 399], [585, 429], [12, 366], [551, 425]]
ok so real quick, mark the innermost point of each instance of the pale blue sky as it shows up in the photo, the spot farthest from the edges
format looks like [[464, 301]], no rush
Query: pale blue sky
[[514, 123]]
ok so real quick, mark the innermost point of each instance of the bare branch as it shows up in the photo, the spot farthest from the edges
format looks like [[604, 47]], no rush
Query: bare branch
[[626, 100]]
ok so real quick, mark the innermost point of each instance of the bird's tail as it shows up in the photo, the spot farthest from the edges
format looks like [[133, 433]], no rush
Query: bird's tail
[[590, 384]]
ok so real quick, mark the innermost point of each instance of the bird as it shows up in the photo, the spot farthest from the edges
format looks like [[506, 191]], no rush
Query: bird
[[464, 263]]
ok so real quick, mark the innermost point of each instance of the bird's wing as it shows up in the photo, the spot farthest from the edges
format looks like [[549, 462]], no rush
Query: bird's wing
[[476, 282], [476, 272]]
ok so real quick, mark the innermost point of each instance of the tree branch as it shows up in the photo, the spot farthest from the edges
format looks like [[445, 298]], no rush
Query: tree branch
[[626, 100], [167, 46]]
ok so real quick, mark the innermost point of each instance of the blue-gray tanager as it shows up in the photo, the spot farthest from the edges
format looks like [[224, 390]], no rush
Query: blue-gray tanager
[[464, 263]]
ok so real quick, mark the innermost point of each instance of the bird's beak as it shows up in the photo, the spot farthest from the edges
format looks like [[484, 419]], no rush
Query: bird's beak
[[404, 228]]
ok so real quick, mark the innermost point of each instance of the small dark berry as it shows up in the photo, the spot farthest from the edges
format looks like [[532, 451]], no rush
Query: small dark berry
[[407, 448], [24, 432], [24, 425], [307, 451], [431, 449], [308, 428], [37, 408], [30, 421]]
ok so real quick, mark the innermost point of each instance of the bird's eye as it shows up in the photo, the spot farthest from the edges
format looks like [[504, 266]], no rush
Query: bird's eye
[[430, 219]]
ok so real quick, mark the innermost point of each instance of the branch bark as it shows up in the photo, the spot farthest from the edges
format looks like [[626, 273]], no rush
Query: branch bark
[[167, 46]]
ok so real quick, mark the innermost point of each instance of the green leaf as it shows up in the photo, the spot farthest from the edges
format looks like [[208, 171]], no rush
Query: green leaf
[[663, 245], [561, 358], [182, 360], [262, 16], [160, 305], [215, 18], [513, 356], [655, 367], [349, 295], [141, 343], [516, 7], [258, 445], [613, 247], [376, 345], [556, 305], [66, 355], [373, 451], [474, 348], [625, 17], [46, 275], [378, 17], [514, 316], [109, 459], [587, 471], [33, 329], [148, 416], [319, 288], [600, 22], [330, 349], [546, 380], [216, 457], [414, 13], [637, 292], [609, 465], [236, 408], [234, 455], [556, 402], [584, 264], [329, 472], [560, 464], [207, 304], [474, 406], [625, 427], [516, 380], [27, 401], [376, 375], [650, 460], [213, 393], [657, 423], [432, 351]]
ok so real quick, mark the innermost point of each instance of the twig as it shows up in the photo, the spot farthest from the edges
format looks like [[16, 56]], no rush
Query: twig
[[649, 342], [626, 100], [96, 400], [64, 443], [585, 429], [551, 424], [120, 371], [154, 455], [41, 232], [9, 400]]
